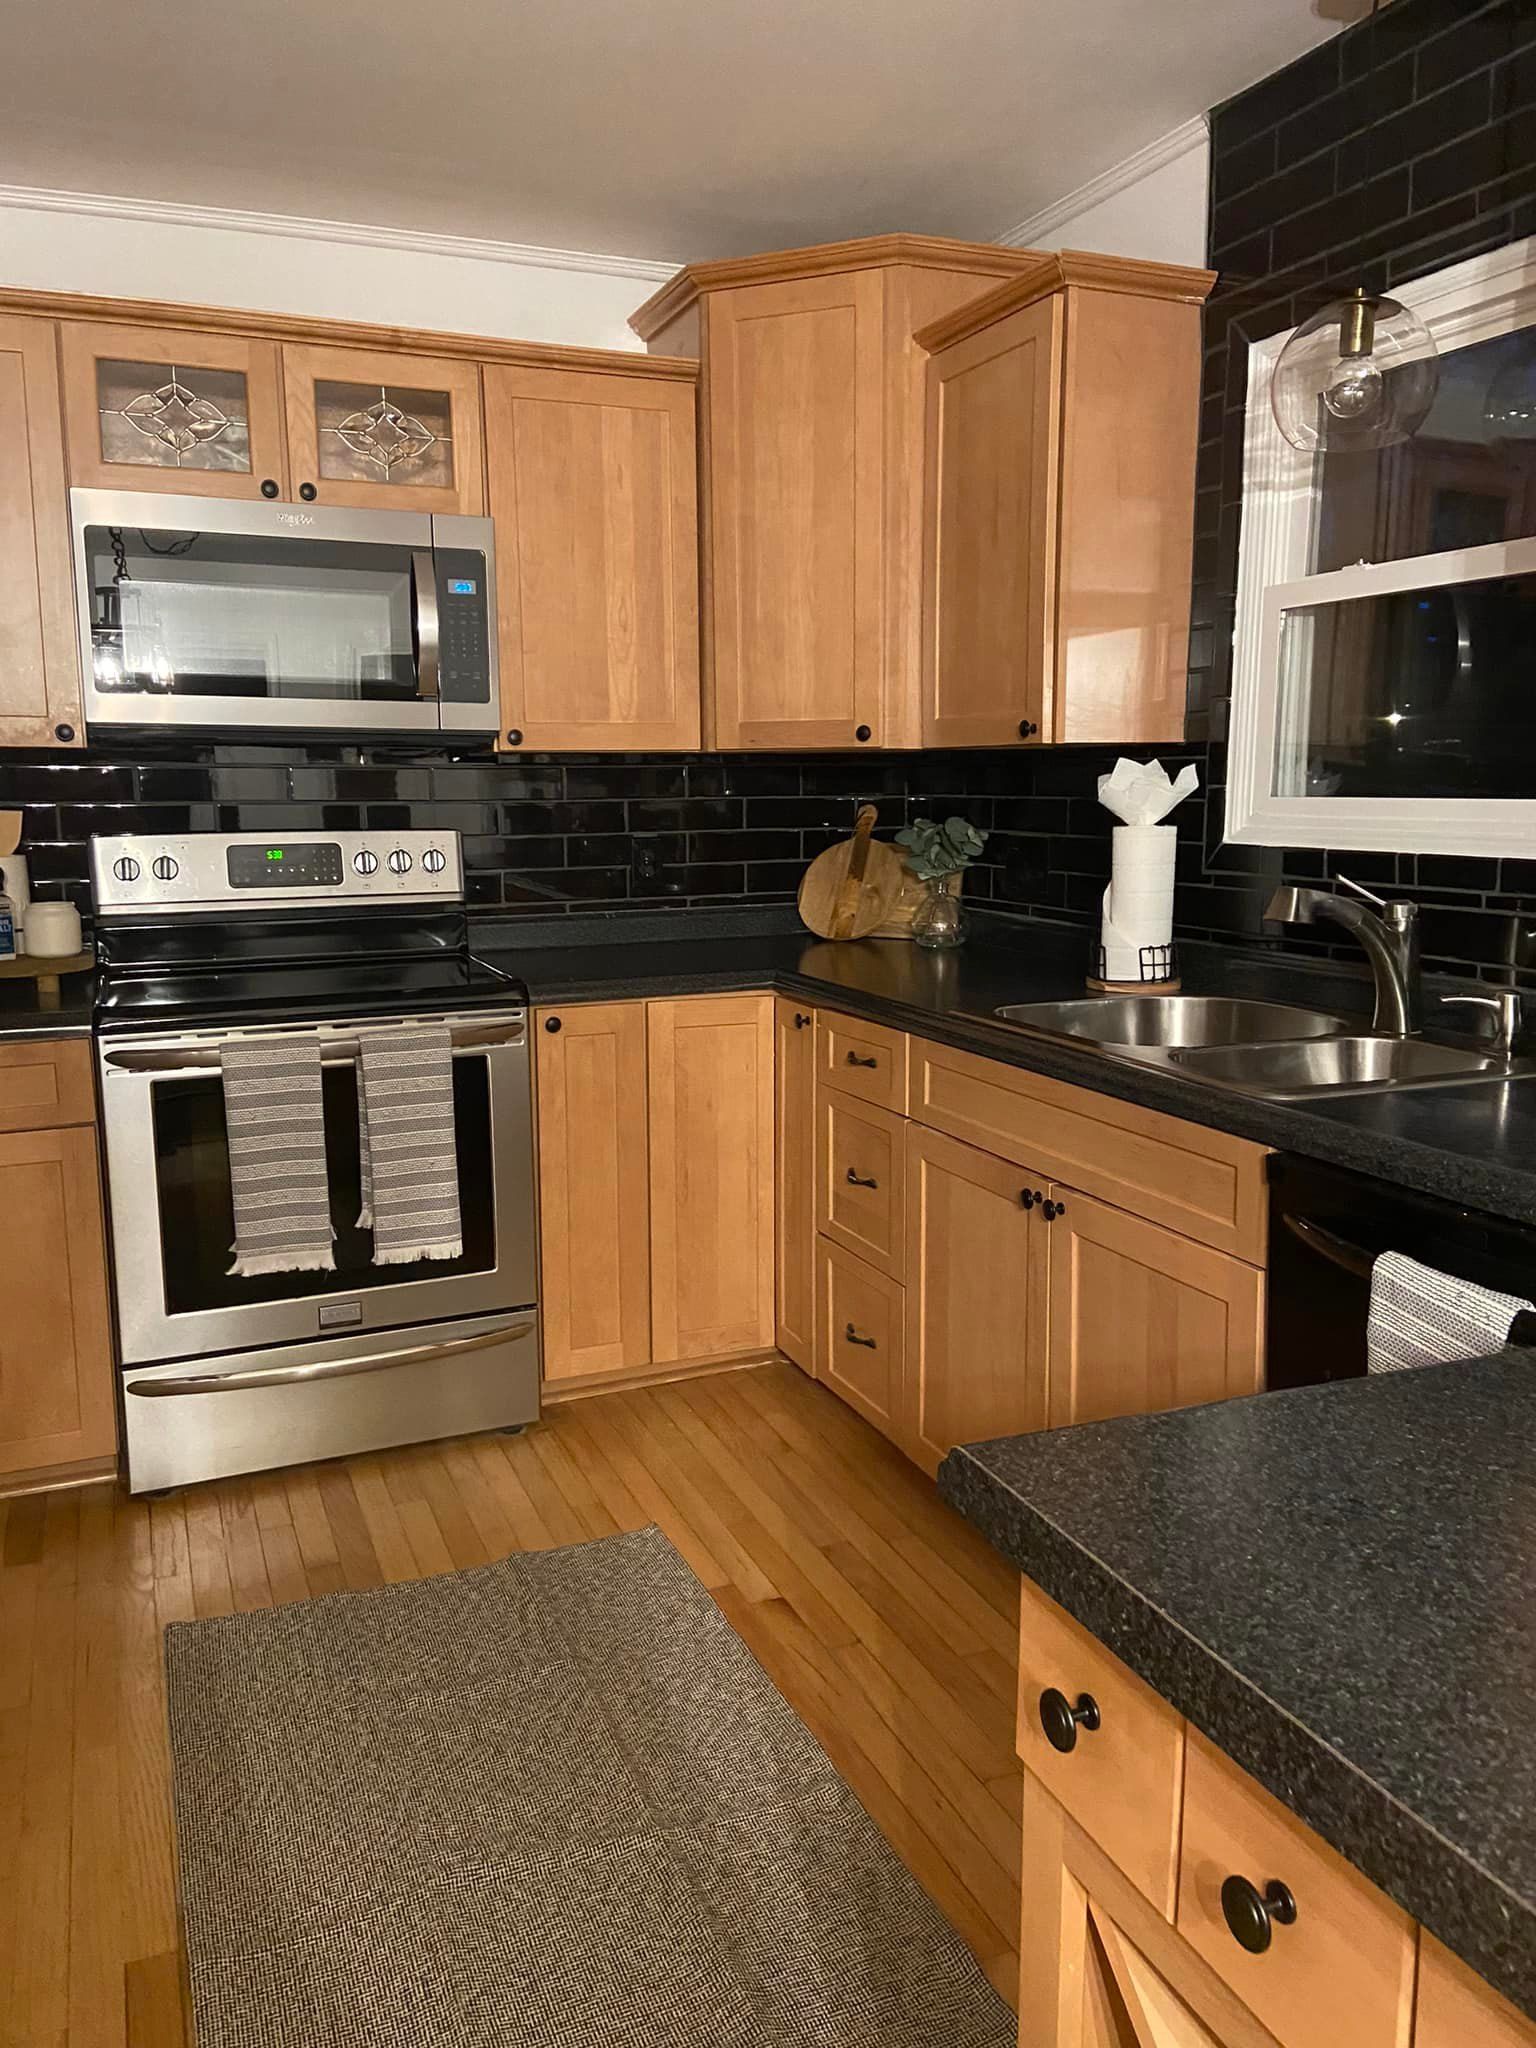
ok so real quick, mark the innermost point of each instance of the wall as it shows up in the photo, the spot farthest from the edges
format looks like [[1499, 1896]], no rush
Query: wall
[[206, 256], [1151, 205]]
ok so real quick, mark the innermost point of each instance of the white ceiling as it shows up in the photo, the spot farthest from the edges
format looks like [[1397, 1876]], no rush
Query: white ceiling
[[658, 128]]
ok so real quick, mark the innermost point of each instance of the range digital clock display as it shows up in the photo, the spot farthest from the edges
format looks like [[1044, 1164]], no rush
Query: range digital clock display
[[312, 864]]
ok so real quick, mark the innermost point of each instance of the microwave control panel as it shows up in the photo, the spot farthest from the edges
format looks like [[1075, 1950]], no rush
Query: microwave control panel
[[463, 625]]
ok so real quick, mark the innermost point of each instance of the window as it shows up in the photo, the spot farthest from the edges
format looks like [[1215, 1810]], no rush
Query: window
[[1384, 672]]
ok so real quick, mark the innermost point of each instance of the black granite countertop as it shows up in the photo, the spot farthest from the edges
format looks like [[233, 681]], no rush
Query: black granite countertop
[[1338, 1586], [1473, 1146], [23, 1014]]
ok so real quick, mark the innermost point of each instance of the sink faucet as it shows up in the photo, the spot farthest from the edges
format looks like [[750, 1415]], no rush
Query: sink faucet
[[1389, 933]]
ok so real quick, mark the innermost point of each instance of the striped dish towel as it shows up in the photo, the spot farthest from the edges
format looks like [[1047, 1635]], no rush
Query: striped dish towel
[[409, 1158], [1421, 1317], [275, 1116]]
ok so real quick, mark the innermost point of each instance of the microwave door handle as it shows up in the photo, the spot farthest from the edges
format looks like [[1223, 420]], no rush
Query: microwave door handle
[[1337, 1250], [424, 599]]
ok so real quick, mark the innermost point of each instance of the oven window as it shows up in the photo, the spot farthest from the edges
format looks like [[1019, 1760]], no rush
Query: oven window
[[197, 1213], [242, 616]]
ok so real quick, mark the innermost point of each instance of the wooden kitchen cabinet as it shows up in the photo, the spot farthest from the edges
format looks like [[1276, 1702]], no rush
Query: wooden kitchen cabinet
[[794, 1084], [1062, 413], [711, 1103], [1456, 2009], [39, 658], [173, 409], [813, 475], [977, 1275], [1141, 1319], [860, 1337], [57, 1399], [369, 427], [593, 488], [594, 1190]]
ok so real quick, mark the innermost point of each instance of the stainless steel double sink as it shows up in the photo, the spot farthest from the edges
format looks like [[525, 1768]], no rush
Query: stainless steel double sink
[[1279, 1050]]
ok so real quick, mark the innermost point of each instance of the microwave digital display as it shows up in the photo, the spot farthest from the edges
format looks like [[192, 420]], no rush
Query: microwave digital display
[[461, 586]]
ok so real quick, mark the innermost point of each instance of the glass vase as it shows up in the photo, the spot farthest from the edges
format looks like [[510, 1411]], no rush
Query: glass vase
[[938, 922]]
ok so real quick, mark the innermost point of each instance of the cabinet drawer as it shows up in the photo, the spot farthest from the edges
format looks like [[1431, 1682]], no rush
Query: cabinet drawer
[[1201, 1183], [859, 1335], [45, 1083], [1121, 1777], [865, 1060], [860, 1178], [1348, 1952]]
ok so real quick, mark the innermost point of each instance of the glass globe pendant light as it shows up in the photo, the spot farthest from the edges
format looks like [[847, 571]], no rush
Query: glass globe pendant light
[[1363, 372]]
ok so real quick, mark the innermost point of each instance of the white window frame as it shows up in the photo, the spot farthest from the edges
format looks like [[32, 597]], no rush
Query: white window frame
[[1471, 302]]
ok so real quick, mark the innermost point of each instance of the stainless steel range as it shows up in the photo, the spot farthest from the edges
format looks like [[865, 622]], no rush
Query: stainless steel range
[[216, 937]]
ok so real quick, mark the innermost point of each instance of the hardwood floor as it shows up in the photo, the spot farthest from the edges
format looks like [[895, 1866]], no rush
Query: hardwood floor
[[886, 1621]]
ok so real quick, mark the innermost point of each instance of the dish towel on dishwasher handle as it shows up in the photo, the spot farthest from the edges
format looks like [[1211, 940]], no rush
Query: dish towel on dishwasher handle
[[410, 1161], [274, 1113], [1421, 1317]]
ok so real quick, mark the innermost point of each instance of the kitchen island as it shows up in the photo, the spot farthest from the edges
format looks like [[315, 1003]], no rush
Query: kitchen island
[[1335, 1588]]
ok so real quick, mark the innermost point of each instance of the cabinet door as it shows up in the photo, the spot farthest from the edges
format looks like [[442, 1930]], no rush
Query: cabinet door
[[159, 409], [1141, 1319], [989, 557], [711, 1106], [795, 514], [794, 1087], [976, 1297], [593, 483], [396, 431], [39, 662], [594, 1190], [57, 1403], [1456, 2009]]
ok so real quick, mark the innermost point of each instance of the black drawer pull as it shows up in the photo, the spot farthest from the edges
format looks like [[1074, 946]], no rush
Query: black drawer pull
[[1061, 1720], [857, 1060], [854, 1181], [853, 1337], [1252, 1916]]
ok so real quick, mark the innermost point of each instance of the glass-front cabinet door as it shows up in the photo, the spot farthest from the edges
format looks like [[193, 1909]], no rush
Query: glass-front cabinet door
[[394, 431], [156, 408]]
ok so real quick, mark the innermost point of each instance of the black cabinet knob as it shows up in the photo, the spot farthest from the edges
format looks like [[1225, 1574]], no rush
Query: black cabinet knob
[[551, 1023], [854, 1338], [1061, 1720], [801, 1020], [862, 732], [1252, 1916], [64, 732], [308, 493], [1027, 728], [1051, 1210], [515, 737], [269, 487], [1028, 1197]]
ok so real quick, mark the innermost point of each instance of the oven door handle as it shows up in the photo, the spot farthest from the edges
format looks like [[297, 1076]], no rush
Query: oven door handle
[[424, 597], [326, 1368], [1337, 1250], [184, 1062]]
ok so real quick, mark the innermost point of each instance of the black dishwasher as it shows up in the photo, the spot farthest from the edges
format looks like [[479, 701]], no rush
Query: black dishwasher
[[1327, 1225]]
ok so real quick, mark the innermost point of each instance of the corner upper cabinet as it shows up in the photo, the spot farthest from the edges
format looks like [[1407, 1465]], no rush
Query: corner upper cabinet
[[374, 428], [812, 473], [593, 488], [39, 661], [167, 409], [1061, 423]]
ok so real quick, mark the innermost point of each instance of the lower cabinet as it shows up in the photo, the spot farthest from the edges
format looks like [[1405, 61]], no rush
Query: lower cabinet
[[656, 1184], [794, 1136], [57, 1403], [859, 1337]]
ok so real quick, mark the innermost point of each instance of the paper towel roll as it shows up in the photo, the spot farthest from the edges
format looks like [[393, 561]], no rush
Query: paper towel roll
[[1138, 904]]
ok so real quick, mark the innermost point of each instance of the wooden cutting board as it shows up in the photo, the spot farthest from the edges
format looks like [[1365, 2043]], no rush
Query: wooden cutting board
[[853, 886]]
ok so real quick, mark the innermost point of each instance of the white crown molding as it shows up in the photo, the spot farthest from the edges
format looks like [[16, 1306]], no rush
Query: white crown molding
[[1167, 149], [165, 213]]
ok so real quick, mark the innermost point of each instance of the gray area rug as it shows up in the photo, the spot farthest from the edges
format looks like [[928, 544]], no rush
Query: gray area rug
[[553, 1801]]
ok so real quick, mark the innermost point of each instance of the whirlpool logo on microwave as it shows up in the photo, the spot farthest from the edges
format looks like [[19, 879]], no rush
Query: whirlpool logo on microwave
[[295, 518]]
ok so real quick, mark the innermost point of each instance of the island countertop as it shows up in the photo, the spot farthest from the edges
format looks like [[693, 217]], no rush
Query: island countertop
[[1337, 1585]]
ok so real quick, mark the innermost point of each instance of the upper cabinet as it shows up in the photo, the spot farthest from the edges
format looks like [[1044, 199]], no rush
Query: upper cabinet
[[1061, 421], [593, 488], [39, 668], [813, 479], [161, 409], [367, 427]]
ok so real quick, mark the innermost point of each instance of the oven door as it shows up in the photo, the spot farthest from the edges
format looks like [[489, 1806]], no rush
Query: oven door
[[211, 613], [172, 1213]]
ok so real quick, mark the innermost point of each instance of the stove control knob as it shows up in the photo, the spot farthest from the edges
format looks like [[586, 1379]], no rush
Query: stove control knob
[[400, 862], [164, 869], [434, 860], [366, 863], [127, 869]]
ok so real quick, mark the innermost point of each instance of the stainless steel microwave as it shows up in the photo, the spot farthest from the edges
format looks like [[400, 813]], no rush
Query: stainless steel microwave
[[220, 613]]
